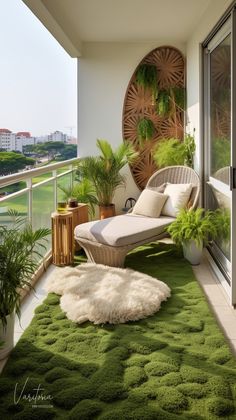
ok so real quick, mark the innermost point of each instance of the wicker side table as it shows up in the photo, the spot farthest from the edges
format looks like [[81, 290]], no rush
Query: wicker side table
[[62, 238], [79, 215]]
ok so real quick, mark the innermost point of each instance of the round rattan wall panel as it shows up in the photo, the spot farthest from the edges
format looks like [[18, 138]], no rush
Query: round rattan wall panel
[[139, 104]]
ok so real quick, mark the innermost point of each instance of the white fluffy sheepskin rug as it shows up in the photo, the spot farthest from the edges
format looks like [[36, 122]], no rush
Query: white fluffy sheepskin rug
[[103, 294]]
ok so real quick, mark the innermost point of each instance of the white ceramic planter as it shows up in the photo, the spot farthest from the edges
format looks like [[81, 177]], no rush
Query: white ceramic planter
[[7, 336], [192, 252]]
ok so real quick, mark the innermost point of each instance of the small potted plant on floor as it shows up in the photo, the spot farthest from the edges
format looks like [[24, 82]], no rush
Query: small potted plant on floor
[[103, 172], [20, 253], [193, 229]]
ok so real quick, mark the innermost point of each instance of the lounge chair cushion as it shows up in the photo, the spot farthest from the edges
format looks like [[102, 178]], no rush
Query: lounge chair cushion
[[122, 230], [150, 203], [179, 195]]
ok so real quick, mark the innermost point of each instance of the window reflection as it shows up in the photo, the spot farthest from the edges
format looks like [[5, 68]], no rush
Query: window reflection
[[220, 76], [221, 202]]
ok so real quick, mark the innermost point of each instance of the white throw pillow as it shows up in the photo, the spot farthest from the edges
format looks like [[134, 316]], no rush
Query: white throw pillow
[[178, 198], [150, 203], [159, 189]]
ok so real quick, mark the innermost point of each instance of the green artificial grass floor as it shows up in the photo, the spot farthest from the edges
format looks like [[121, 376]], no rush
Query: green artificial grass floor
[[173, 365]]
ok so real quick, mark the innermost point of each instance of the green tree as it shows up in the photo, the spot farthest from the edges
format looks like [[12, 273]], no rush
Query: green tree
[[30, 149], [11, 162], [52, 148], [69, 152]]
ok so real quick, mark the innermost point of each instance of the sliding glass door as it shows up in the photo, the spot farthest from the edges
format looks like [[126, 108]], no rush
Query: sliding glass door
[[220, 146]]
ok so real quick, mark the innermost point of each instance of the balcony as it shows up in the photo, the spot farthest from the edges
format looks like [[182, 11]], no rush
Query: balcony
[[179, 362], [40, 191]]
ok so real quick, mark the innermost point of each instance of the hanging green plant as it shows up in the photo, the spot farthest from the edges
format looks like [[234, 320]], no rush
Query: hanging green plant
[[179, 95], [164, 102], [145, 129], [146, 76]]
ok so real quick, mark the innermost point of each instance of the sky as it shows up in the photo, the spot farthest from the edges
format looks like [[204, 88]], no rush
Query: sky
[[38, 79]]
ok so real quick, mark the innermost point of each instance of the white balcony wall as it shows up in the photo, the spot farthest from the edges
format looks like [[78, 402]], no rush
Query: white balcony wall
[[104, 72], [194, 72]]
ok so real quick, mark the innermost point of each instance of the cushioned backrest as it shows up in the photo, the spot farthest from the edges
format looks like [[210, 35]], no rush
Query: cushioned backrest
[[178, 175]]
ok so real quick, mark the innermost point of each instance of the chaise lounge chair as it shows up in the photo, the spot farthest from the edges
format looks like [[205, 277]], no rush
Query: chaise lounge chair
[[108, 241]]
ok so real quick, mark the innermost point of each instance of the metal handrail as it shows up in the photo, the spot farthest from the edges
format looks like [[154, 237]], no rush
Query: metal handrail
[[31, 173]]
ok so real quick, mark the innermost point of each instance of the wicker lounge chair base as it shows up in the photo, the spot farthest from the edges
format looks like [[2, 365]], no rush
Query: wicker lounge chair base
[[113, 256]]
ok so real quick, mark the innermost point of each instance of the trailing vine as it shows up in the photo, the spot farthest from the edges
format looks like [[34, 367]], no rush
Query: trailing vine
[[145, 129], [146, 76]]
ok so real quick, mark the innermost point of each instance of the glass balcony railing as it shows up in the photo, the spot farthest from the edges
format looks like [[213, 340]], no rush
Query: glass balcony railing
[[34, 194]]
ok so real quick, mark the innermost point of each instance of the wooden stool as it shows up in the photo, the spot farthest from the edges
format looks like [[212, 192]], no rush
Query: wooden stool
[[62, 238], [79, 215]]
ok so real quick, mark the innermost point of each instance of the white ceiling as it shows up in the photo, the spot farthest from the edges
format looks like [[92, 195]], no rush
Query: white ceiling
[[121, 20]]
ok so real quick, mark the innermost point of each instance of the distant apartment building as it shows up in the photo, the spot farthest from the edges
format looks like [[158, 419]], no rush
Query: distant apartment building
[[24, 138], [57, 136], [16, 141], [7, 139]]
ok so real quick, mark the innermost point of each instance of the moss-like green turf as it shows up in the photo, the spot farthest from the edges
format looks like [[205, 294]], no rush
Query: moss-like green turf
[[173, 365]]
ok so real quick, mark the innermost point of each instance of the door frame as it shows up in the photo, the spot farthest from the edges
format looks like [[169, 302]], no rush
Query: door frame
[[228, 26]]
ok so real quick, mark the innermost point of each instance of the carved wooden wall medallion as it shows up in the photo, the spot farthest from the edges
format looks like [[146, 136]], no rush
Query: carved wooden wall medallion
[[139, 104]]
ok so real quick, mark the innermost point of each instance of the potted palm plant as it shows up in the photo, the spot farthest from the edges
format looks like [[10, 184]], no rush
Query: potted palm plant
[[20, 253], [193, 229], [103, 172]]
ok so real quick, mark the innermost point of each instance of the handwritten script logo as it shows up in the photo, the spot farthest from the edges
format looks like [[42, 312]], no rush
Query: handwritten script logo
[[36, 398]]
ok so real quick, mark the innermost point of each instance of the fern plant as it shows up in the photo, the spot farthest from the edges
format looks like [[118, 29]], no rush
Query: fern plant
[[169, 152], [146, 76], [197, 225], [145, 129]]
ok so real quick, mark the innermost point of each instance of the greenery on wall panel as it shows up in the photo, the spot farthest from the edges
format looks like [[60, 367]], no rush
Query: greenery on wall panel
[[170, 99], [145, 129], [179, 94], [163, 105], [154, 107], [146, 76], [170, 152]]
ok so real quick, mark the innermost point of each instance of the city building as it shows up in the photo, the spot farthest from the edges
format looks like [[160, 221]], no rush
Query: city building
[[7, 140], [23, 138], [16, 141], [57, 136]]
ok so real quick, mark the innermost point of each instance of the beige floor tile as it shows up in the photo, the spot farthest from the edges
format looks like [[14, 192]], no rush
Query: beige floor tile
[[214, 295]]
